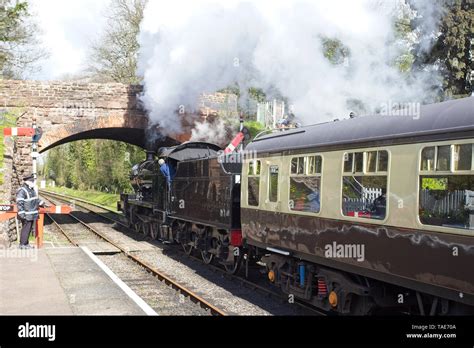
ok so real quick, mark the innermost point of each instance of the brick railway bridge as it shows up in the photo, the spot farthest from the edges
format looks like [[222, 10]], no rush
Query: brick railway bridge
[[69, 111]]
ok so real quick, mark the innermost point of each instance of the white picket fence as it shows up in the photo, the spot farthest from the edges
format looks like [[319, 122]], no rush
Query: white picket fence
[[363, 203]]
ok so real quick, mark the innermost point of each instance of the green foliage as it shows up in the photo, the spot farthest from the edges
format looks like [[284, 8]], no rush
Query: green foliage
[[452, 47], [254, 127], [19, 48], [434, 183], [257, 94], [108, 200], [335, 51], [101, 165], [457, 32]]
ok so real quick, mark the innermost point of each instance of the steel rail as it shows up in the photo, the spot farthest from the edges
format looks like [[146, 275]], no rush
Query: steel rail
[[215, 268], [170, 282]]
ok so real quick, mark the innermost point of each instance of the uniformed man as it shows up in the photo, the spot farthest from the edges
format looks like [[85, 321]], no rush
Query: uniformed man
[[28, 204], [167, 171]]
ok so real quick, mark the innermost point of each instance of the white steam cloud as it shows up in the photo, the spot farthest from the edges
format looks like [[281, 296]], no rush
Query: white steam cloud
[[215, 132], [189, 47]]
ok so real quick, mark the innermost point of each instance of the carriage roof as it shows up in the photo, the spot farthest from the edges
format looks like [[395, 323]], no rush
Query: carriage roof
[[444, 120]]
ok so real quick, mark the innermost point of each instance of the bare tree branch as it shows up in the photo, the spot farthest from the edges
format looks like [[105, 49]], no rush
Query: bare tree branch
[[114, 55]]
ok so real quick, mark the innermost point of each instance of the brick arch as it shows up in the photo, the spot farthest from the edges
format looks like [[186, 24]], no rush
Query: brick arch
[[133, 130], [69, 111]]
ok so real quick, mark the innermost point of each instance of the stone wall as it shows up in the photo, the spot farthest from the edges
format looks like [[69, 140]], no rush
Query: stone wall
[[219, 104]]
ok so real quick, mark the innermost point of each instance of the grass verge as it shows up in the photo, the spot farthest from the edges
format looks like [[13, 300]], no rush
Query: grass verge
[[108, 200]]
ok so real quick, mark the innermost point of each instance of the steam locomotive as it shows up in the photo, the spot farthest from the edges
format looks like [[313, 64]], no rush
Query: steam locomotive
[[356, 216]]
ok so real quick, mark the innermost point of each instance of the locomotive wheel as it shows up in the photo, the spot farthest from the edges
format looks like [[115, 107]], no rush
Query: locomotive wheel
[[144, 228], [234, 267], [154, 231], [206, 257], [136, 227], [191, 245]]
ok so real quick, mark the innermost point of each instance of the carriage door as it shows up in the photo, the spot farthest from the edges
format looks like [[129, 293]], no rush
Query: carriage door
[[273, 202]]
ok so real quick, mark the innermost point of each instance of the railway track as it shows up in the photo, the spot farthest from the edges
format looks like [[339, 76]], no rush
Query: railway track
[[118, 218], [79, 237]]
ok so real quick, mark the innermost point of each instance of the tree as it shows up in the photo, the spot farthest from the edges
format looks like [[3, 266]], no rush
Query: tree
[[334, 50], [451, 48], [18, 47], [98, 164], [114, 55]]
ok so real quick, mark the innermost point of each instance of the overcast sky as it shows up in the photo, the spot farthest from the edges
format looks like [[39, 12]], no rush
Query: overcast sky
[[67, 28]]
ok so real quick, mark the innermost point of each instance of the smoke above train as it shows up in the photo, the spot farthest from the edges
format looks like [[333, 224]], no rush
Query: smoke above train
[[194, 47]]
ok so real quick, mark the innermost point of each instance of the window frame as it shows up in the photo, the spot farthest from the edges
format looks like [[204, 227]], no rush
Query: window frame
[[451, 164], [254, 167], [365, 173], [444, 173], [278, 193], [365, 164], [306, 174]]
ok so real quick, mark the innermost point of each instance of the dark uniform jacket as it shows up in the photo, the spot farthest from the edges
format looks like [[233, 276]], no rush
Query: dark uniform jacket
[[28, 203]]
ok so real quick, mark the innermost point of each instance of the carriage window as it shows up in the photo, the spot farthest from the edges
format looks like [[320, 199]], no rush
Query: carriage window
[[458, 157], [298, 165], [364, 195], [375, 162], [305, 189], [254, 168], [358, 162], [348, 157], [443, 158], [371, 165], [294, 165], [382, 162], [447, 199], [463, 157], [253, 187], [428, 158], [315, 165], [273, 184]]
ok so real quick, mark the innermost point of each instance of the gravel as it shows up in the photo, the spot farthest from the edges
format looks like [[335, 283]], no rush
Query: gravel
[[230, 295], [162, 298]]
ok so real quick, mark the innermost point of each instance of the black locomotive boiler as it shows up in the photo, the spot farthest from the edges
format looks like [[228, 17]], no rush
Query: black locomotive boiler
[[355, 216], [200, 209]]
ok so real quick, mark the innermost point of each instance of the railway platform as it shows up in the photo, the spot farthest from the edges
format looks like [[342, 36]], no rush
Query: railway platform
[[62, 281]]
